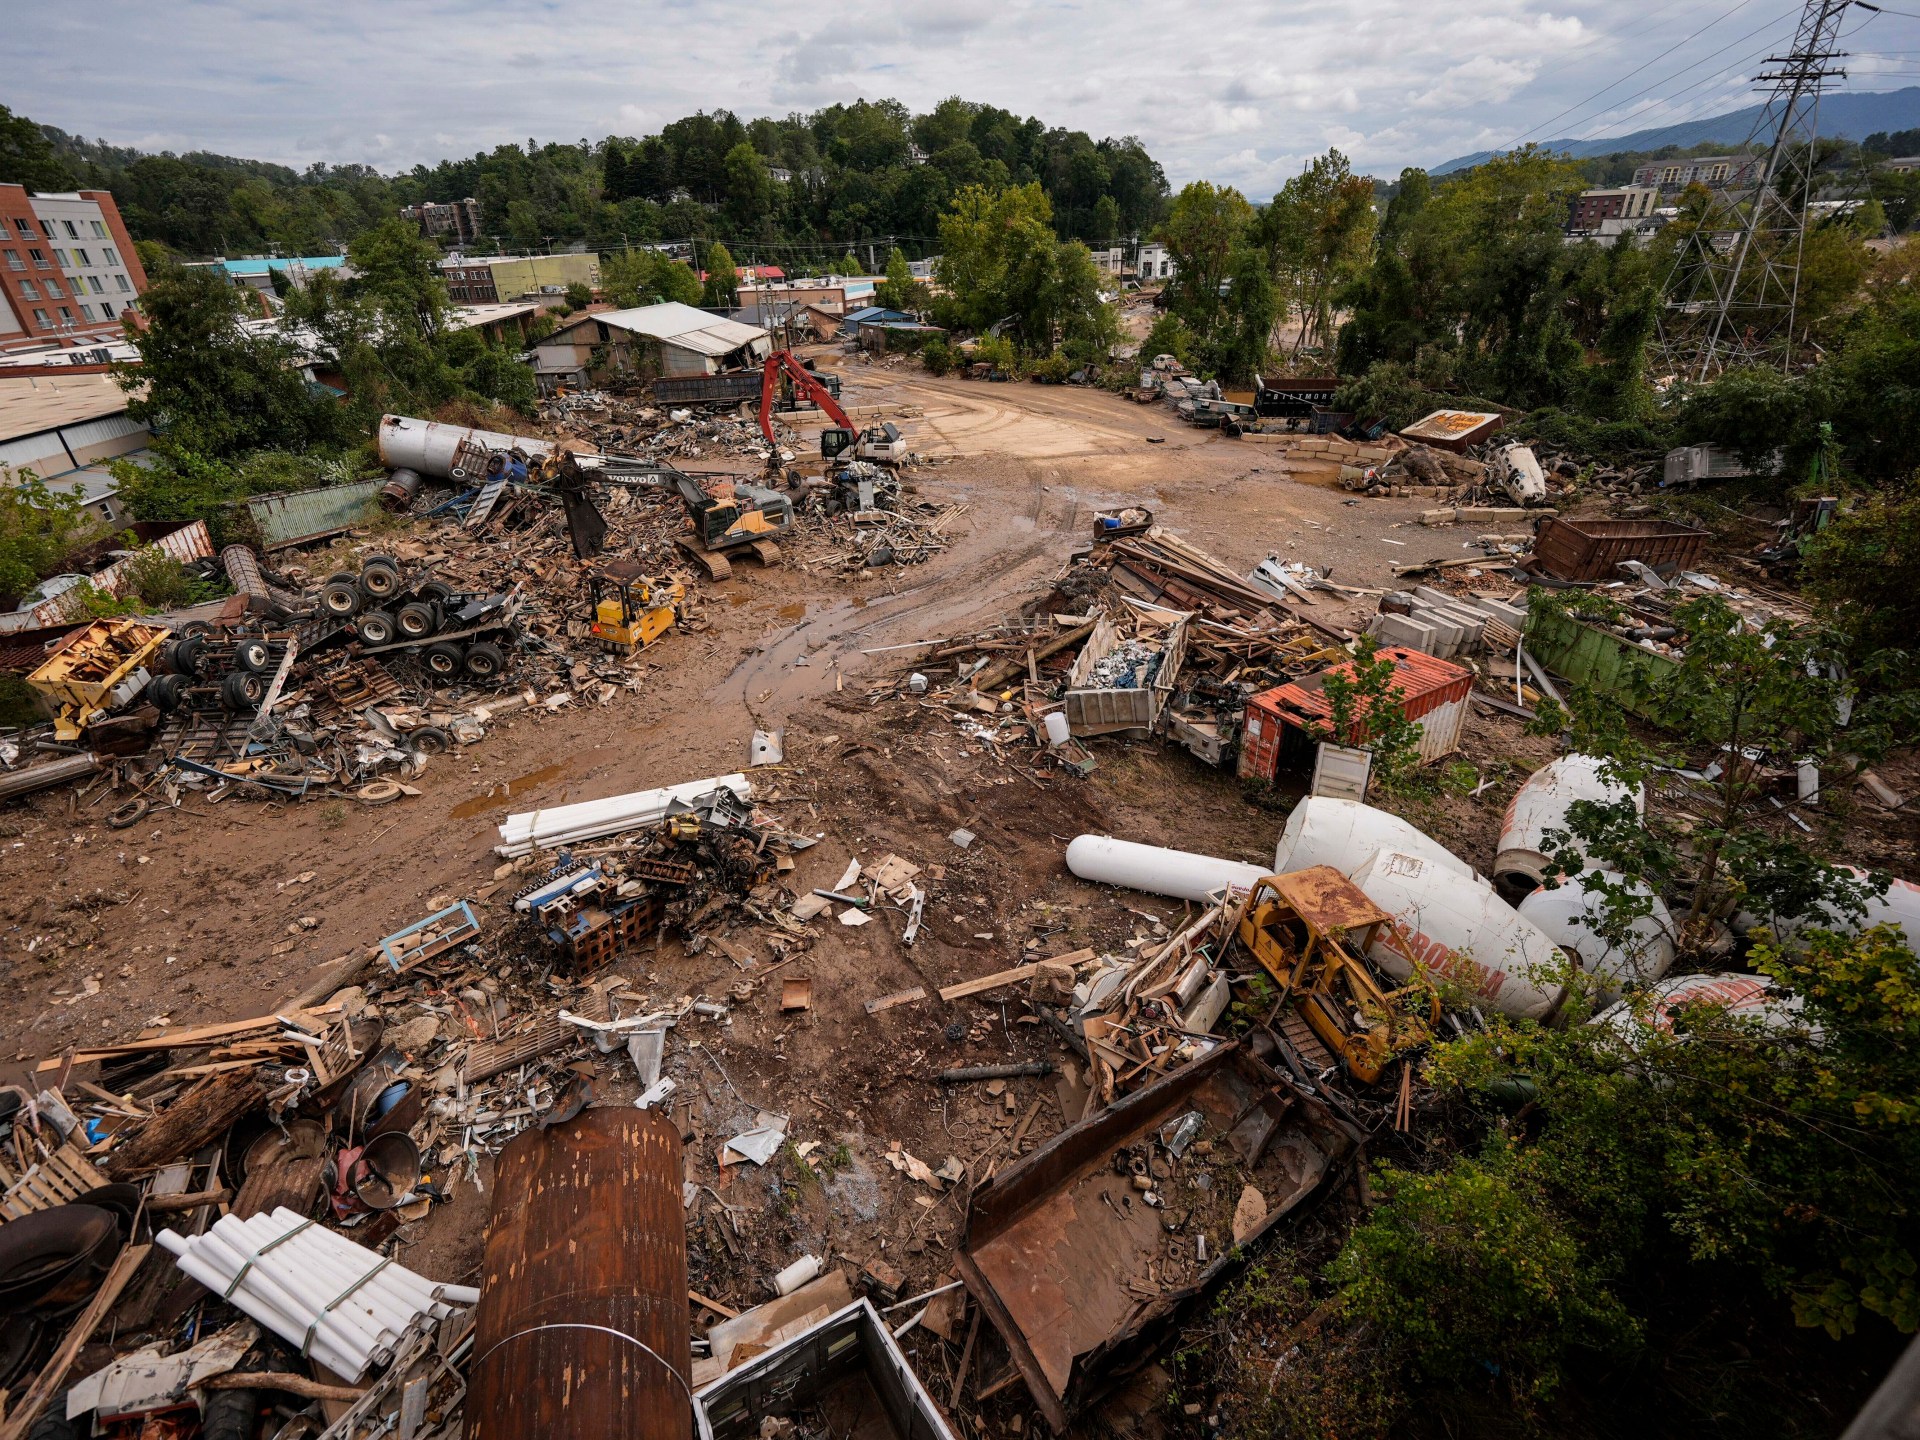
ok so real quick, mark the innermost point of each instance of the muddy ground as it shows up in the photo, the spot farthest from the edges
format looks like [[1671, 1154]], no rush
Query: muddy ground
[[199, 915]]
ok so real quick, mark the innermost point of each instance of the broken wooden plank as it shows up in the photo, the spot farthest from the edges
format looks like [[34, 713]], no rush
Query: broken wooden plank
[[898, 997], [195, 1038], [1070, 962]]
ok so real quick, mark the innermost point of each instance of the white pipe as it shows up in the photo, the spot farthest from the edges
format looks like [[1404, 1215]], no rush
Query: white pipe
[[1180, 874], [349, 1363], [352, 1262], [270, 1281], [591, 819], [463, 1295], [383, 1295]]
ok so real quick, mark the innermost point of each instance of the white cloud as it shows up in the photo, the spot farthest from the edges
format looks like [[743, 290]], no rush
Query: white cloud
[[1238, 91]]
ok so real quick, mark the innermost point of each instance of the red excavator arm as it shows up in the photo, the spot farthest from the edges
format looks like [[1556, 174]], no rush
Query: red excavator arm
[[804, 382]]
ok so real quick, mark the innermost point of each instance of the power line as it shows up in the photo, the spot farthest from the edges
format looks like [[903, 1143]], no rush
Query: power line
[[1718, 76], [1582, 104]]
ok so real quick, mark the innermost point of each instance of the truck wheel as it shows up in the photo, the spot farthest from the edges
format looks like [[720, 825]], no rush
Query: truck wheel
[[434, 590], [165, 692], [340, 596], [485, 660], [416, 621], [430, 740], [379, 583], [181, 655], [242, 690], [375, 627], [254, 654], [443, 661]]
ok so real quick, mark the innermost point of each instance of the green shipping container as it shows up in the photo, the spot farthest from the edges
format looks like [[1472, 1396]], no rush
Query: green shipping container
[[1596, 658]]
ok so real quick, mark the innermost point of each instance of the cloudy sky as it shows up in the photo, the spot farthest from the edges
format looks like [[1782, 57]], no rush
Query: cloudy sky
[[1221, 89]]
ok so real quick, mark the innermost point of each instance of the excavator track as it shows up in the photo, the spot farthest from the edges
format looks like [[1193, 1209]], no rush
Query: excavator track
[[1295, 1030], [766, 552], [718, 567]]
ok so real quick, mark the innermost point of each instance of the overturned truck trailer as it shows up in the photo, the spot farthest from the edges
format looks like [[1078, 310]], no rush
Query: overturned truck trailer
[[1057, 1247]]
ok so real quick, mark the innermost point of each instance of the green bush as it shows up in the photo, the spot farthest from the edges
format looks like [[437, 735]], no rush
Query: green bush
[[39, 528], [1051, 370], [937, 356]]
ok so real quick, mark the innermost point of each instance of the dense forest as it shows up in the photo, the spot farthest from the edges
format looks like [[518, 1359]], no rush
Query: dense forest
[[869, 174]]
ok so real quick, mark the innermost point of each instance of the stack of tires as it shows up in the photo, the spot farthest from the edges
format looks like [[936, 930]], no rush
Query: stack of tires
[[385, 609], [208, 671]]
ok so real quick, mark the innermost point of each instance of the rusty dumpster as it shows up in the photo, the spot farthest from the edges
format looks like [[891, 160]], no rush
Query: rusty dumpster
[[1593, 549], [1084, 1275]]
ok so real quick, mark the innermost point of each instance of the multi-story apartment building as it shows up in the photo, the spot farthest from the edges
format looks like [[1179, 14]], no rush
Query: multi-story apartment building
[[458, 219], [1715, 170], [1626, 202], [67, 267]]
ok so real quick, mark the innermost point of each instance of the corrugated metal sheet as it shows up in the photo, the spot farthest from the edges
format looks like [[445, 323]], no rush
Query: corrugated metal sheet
[[185, 542], [40, 453], [296, 515], [1434, 692], [107, 427]]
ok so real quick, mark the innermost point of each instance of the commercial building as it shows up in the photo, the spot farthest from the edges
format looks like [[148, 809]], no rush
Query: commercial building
[[836, 293], [67, 267], [1714, 170], [1627, 202], [256, 272], [1152, 262], [650, 341], [64, 428], [456, 220], [492, 279]]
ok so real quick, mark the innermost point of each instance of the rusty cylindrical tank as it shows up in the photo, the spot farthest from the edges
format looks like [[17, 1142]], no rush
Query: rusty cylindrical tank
[[397, 494], [243, 572], [587, 1237]]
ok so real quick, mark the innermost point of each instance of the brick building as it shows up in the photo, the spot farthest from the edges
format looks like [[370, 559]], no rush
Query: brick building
[[1714, 170], [1627, 202], [67, 267], [458, 220]]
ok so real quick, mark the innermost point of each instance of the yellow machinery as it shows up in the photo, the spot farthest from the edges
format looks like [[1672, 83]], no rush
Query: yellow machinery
[[96, 670], [1309, 930], [626, 610]]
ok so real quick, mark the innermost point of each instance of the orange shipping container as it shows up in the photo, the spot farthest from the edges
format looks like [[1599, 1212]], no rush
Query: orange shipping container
[[1433, 692]]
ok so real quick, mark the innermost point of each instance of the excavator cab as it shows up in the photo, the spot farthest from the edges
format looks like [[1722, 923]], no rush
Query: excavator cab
[[833, 441], [1309, 930]]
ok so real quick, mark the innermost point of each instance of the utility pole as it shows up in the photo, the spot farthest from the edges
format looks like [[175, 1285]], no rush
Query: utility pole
[[1735, 285]]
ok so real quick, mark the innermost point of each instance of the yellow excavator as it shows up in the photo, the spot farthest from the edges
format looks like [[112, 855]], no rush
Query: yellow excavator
[[1309, 930], [626, 610]]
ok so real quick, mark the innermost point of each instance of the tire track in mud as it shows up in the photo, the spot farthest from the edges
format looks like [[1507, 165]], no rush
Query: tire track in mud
[[982, 575]]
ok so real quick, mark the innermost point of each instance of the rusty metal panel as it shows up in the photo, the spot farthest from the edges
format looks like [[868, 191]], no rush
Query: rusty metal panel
[[1327, 900], [292, 516], [1593, 549], [1061, 1252], [1454, 429], [587, 1230]]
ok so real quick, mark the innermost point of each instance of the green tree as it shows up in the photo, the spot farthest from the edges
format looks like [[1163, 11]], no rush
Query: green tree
[[1319, 233], [1169, 336], [723, 280], [900, 291], [39, 528], [26, 158], [1202, 231], [209, 384], [1246, 344], [750, 197]]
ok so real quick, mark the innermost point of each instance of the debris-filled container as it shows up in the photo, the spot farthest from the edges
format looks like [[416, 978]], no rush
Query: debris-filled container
[[1454, 430], [1284, 723], [847, 1368], [1058, 1245], [582, 1328], [1593, 549], [1598, 659], [1126, 671]]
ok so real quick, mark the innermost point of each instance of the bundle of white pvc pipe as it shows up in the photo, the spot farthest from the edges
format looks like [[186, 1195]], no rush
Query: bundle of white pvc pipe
[[590, 819], [344, 1305]]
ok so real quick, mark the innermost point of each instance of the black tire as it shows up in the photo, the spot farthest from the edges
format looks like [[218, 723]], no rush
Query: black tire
[[443, 661], [485, 660], [380, 578], [187, 650], [416, 621], [434, 590], [197, 627], [376, 627], [254, 654], [165, 692], [242, 690], [170, 658], [430, 740], [340, 597], [129, 814]]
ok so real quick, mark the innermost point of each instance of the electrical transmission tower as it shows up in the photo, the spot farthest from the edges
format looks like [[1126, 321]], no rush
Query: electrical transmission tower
[[1736, 279]]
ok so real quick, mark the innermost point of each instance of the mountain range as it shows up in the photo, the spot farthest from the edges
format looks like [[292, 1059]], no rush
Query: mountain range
[[1848, 116]]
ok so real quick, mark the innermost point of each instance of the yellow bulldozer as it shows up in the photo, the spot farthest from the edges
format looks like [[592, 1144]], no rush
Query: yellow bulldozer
[[95, 671], [1309, 930]]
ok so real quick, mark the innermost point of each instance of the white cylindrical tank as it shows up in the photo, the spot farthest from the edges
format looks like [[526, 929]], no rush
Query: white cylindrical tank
[[1463, 933], [1346, 835], [1899, 907], [1565, 913], [429, 447], [1541, 805], [1180, 874], [1742, 995]]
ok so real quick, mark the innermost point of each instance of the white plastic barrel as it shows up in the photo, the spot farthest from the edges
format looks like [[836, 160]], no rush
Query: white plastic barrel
[[1347, 834], [1541, 805], [797, 1274], [429, 446], [1899, 907], [1566, 913], [1180, 874], [1058, 731], [1462, 933]]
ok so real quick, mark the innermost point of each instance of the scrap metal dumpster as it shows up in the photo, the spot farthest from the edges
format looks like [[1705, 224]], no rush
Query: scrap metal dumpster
[[1593, 549]]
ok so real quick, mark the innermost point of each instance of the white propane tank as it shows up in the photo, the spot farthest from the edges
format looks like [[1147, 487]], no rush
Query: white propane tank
[[1899, 907], [1179, 874], [1463, 934], [1541, 805], [1346, 834], [1565, 914], [1749, 996], [429, 447]]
